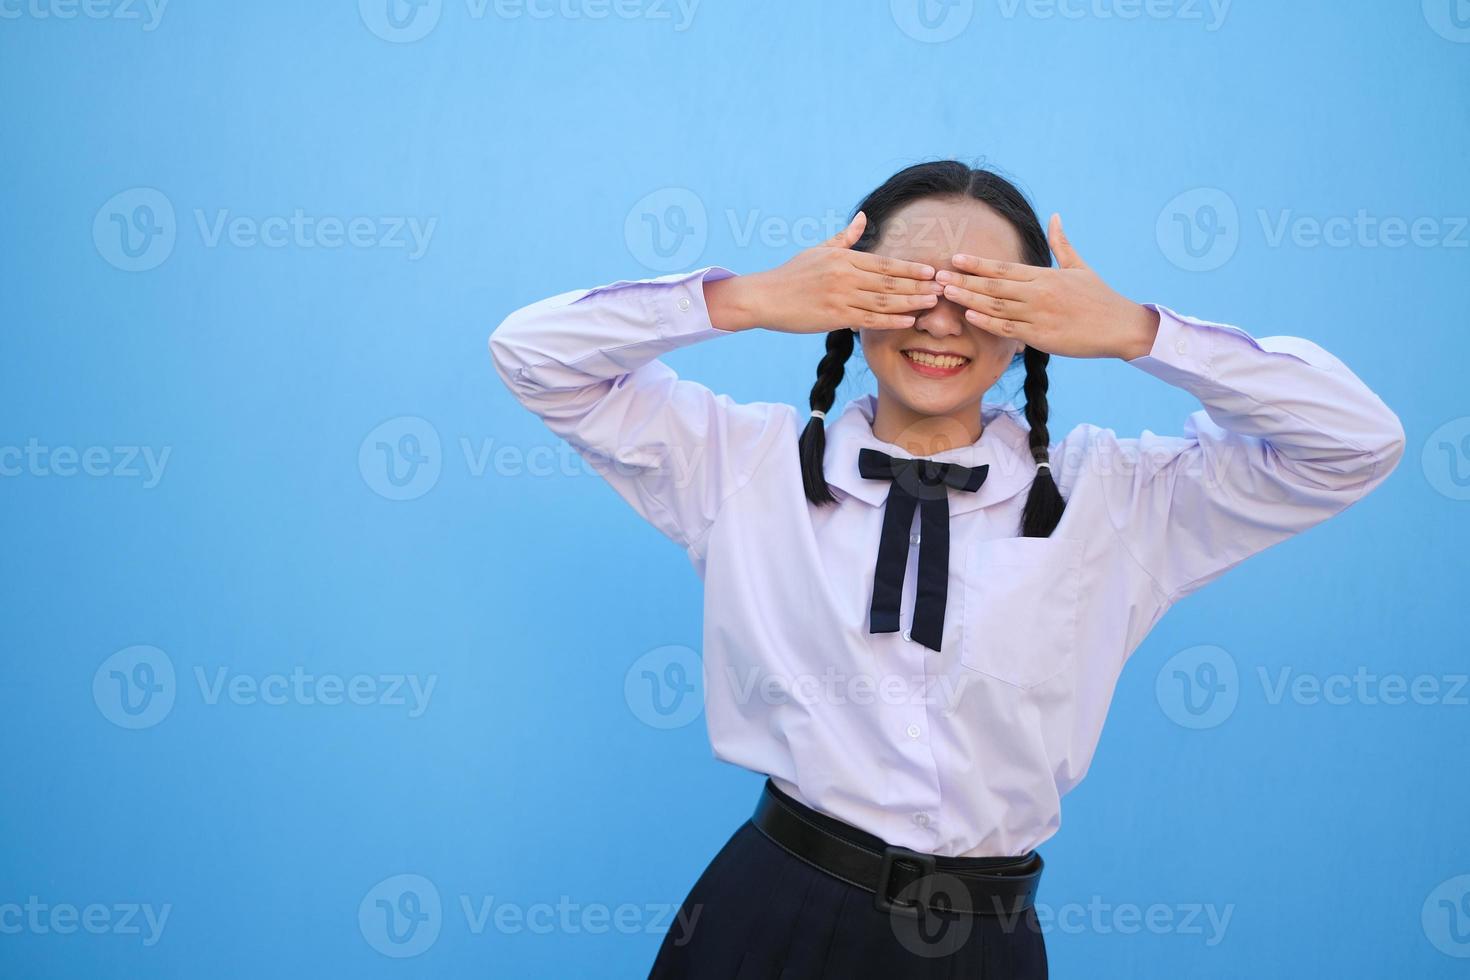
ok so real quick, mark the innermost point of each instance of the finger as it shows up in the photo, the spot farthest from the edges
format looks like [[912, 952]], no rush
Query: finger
[[994, 268], [995, 306], [880, 282], [869, 320], [848, 237], [889, 266], [894, 302], [1061, 246], [997, 325], [1003, 288]]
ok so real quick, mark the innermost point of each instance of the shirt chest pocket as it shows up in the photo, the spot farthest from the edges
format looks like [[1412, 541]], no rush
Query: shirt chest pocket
[[1022, 598]]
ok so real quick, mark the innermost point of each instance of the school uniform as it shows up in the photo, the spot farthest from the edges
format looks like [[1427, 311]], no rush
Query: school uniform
[[938, 700]]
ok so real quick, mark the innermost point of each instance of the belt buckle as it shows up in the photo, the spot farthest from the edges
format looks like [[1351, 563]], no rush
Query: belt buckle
[[925, 862]]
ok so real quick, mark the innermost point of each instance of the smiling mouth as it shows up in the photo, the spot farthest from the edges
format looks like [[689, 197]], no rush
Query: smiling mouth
[[934, 362]]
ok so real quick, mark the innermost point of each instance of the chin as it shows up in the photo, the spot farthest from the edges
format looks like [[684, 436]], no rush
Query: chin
[[930, 401]]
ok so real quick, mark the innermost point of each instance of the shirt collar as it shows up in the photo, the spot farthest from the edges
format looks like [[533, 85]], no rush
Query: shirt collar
[[1003, 446]]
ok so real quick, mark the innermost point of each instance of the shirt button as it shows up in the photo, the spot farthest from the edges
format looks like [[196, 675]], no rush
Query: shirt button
[[913, 731], [922, 819], [1180, 346], [908, 635], [913, 539], [683, 304]]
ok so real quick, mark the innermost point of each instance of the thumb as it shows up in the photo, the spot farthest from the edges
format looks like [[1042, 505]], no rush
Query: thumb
[[1061, 247], [848, 237]]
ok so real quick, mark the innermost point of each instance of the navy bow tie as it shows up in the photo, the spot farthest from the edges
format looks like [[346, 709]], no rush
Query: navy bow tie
[[925, 484]]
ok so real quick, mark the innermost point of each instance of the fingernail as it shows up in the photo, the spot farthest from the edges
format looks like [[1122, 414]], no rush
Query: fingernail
[[944, 275], [927, 270], [961, 258]]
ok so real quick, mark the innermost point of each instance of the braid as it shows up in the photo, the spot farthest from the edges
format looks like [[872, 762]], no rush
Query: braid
[[813, 444], [1044, 504]]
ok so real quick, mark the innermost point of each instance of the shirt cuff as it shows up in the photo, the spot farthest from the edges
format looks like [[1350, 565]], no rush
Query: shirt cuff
[[676, 303], [1183, 346]]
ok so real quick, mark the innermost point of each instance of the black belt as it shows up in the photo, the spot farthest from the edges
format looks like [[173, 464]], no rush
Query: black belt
[[901, 880]]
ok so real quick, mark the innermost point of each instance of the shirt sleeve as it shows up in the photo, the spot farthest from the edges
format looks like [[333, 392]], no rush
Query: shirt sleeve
[[1287, 437], [585, 362]]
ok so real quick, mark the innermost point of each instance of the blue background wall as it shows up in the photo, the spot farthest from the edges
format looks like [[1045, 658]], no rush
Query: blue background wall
[[207, 705]]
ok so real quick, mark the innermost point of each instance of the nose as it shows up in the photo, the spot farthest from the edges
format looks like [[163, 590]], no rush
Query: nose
[[945, 318]]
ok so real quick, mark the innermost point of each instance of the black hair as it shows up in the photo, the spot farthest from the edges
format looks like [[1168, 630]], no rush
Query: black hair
[[945, 178]]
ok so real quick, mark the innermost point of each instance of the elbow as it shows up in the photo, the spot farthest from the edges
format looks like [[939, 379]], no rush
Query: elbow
[[1382, 447], [1391, 444], [506, 353]]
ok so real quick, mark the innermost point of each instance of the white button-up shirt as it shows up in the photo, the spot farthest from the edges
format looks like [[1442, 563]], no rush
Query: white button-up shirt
[[967, 751]]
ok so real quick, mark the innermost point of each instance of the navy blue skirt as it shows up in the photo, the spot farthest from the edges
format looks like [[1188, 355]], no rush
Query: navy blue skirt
[[758, 912]]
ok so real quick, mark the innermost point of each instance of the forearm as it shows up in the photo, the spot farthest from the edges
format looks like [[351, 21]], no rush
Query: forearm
[[1319, 419], [582, 338], [732, 302]]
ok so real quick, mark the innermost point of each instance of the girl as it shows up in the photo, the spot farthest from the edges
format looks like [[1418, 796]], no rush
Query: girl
[[916, 612]]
